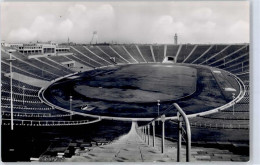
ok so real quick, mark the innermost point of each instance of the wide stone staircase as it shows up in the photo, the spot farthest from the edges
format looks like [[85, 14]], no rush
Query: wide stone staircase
[[132, 148]]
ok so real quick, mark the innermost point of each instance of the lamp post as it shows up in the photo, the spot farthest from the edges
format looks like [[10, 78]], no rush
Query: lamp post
[[23, 94], [11, 88], [158, 53], [233, 96], [158, 104], [71, 113]]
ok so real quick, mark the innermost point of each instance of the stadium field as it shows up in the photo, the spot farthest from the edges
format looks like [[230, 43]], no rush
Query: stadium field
[[133, 90]]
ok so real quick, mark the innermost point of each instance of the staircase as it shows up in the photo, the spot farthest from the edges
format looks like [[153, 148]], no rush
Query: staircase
[[131, 148], [128, 148]]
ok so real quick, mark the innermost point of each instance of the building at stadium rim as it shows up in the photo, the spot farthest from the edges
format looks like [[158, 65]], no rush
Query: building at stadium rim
[[39, 48]]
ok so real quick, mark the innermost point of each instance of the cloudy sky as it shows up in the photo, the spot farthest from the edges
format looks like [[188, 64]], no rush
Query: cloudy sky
[[126, 22]]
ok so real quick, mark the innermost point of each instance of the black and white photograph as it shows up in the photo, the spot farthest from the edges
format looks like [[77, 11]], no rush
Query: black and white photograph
[[125, 81]]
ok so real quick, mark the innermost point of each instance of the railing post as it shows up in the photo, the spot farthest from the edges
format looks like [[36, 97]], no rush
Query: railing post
[[71, 112], [148, 130], [188, 142], [144, 133], [147, 138], [163, 120], [179, 137], [153, 124]]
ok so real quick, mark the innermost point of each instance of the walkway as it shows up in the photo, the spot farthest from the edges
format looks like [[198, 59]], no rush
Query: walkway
[[128, 148], [131, 148]]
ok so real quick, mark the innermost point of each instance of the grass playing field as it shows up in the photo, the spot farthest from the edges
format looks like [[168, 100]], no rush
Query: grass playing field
[[140, 83]]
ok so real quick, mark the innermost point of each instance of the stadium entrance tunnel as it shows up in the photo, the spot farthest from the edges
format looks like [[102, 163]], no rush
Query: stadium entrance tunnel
[[133, 90]]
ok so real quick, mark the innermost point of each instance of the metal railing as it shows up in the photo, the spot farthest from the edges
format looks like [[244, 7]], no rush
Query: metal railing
[[184, 132], [187, 137], [25, 122]]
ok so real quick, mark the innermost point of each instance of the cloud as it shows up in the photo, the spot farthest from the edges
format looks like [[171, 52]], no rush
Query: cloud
[[127, 22], [239, 30], [202, 13], [239, 26], [79, 20], [22, 35]]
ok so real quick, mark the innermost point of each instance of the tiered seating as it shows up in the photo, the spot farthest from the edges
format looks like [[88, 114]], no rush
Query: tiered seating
[[100, 53], [229, 116], [239, 59], [5, 68], [222, 123], [16, 84], [92, 56], [26, 108], [225, 119], [59, 66], [241, 69], [241, 50], [240, 64], [158, 51], [245, 100], [146, 52], [25, 68], [30, 111], [19, 89], [120, 49], [229, 54], [235, 117], [238, 108], [112, 53], [134, 52], [77, 59], [47, 67], [243, 76], [172, 50], [7, 114], [213, 50], [25, 97], [185, 51], [200, 49], [19, 96], [80, 56]]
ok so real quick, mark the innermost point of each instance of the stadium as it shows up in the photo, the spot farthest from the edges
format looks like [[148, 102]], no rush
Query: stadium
[[114, 81], [103, 102]]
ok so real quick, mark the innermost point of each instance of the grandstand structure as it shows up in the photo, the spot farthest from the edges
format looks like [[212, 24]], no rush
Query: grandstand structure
[[23, 105]]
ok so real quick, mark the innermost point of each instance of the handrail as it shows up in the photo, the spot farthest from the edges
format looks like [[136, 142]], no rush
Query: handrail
[[157, 118], [188, 133], [144, 131], [24, 114], [53, 122]]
